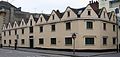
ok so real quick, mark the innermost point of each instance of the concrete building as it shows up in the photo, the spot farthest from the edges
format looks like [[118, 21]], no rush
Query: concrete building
[[95, 28]]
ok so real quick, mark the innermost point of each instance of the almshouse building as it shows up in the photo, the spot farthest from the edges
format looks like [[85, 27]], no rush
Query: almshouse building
[[95, 28]]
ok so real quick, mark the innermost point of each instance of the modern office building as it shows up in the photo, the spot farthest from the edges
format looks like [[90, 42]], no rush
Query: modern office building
[[95, 28]]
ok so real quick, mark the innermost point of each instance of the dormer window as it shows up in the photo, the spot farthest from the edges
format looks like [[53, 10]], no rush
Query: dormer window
[[104, 14], [53, 16], [30, 22], [89, 12], [22, 23], [68, 13], [15, 25], [113, 17], [41, 19]]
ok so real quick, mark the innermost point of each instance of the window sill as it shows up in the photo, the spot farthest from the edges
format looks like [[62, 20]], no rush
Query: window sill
[[104, 44], [89, 45], [52, 31], [68, 44], [41, 32], [53, 44], [41, 44], [89, 28], [22, 44], [68, 29]]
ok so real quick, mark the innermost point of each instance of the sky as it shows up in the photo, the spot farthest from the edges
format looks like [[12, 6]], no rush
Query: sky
[[46, 6]]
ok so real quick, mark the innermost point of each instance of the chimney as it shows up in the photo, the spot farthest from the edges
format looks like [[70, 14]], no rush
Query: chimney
[[92, 1], [89, 2]]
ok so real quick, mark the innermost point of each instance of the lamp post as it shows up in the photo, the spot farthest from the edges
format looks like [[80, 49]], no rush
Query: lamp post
[[73, 37], [117, 11], [16, 41]]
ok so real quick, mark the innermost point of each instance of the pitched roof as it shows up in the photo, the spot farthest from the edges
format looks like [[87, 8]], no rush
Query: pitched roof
[[77, 10], [6, 5], [95, 7], [58, 13], [46, 16]]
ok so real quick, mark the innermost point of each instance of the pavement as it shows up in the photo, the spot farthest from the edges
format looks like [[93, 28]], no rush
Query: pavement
[[64, 53]]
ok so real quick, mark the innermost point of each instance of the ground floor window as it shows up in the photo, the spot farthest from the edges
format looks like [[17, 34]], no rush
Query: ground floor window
[[4, 41], [68, 41], [22, 41], [53, 41], [114, 41], [9, 41], [104, 41], [41, 41], [89, 41]]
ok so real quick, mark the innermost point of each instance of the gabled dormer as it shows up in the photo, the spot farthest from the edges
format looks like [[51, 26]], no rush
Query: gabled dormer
[[53, 17], [103, 14], [69, 14], [15, 25], [89, 13], [9, 26], [4, 27], [113, 17], [31, 21], [22, 23], [42, 19]]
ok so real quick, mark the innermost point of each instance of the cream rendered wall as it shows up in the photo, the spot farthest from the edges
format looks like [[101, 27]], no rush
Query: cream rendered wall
[[85, 13], [56, 18], [72, 15], [108, 32]]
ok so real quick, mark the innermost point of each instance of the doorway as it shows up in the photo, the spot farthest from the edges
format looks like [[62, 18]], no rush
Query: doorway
[[31, 43]]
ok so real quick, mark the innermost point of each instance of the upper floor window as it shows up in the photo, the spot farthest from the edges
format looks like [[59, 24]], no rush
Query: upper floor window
[[53, 41], [114, 28], [89, 11], [22, 30], [41, 28], [52, 27], [104, 26], [41, 41], [68, 26], [89, 25], [9, 32], [68, 13], [53, 16], [30, 22], [15, 31], [31, 29]]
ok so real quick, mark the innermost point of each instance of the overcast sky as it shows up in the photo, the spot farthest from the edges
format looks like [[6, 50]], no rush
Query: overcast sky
[[46, 6]]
